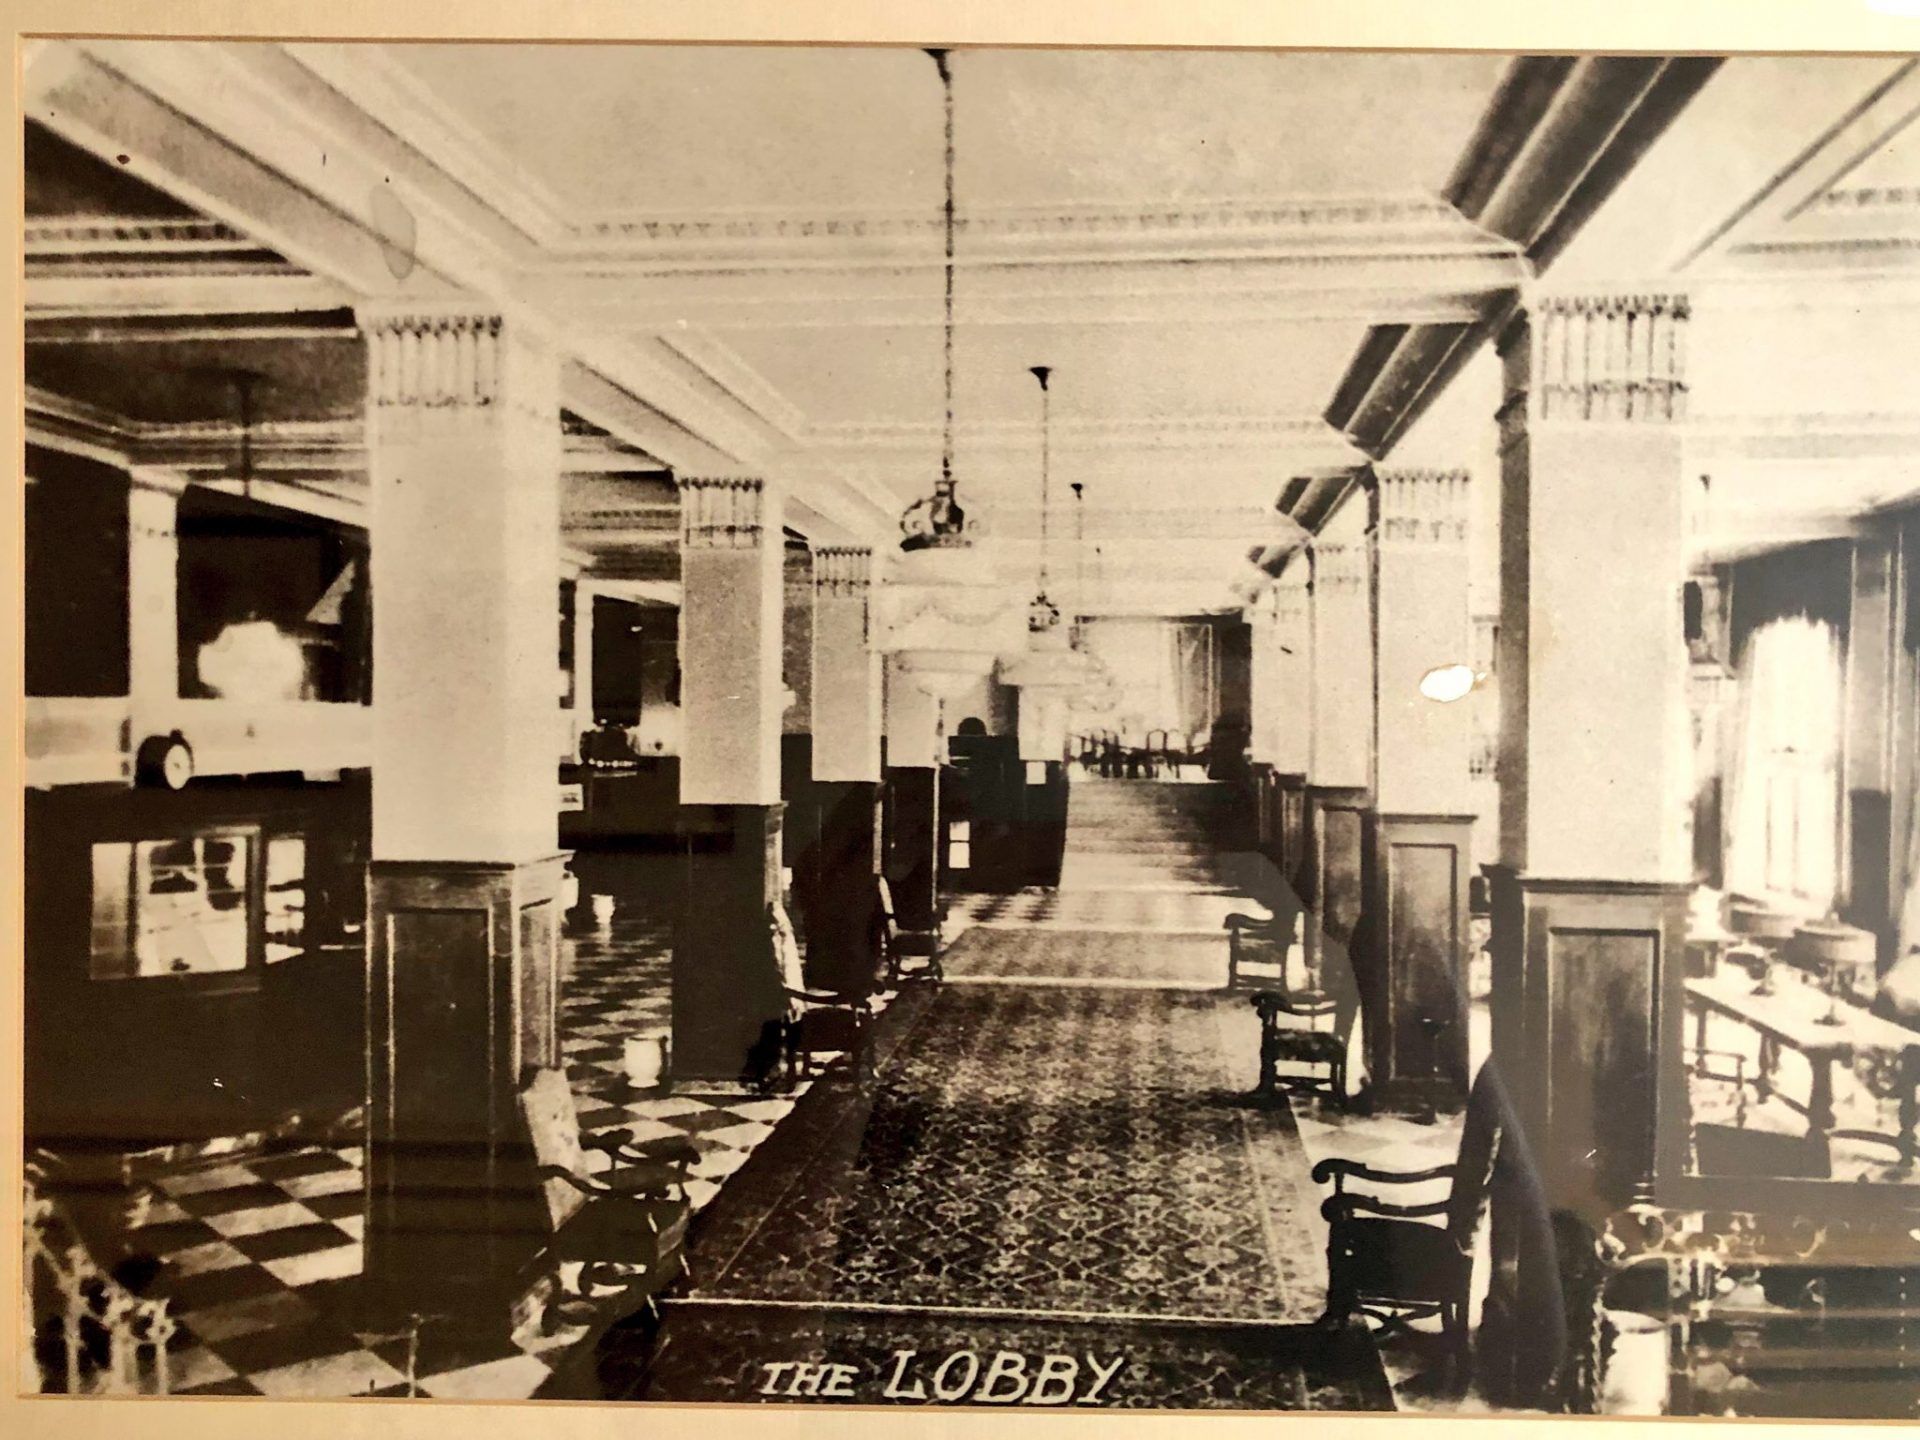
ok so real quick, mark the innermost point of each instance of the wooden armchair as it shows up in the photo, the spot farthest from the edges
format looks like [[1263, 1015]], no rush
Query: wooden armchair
[[1257, 950], [907, 957], [1384, 1258], [1310, 1026], [618, 1208], [817, 1022]]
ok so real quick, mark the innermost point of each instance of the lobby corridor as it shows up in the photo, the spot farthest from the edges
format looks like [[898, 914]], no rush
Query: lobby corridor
[[1054, 1160]]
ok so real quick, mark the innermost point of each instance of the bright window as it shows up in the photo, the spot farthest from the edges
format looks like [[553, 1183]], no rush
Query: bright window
[[171, 907], [1785, 844]]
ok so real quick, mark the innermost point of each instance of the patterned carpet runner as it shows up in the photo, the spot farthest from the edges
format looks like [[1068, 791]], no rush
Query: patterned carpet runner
[[1112, 958], [1053, 1192]]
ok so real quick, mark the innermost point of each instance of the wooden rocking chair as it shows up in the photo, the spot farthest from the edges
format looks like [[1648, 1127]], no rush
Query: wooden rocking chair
[[1385, 1260]]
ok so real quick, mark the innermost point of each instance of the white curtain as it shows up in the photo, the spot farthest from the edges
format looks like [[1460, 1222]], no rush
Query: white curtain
[[1784, 843]]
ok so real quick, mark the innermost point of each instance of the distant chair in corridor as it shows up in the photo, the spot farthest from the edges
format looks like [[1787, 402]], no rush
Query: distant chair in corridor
[[1307, 1017]]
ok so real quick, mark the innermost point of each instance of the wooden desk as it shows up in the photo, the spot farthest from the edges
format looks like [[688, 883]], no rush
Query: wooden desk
[[1795, 1015]]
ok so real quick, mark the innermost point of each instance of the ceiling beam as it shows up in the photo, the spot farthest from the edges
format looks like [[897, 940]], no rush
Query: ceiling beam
[[1877, 117], [1556, 141], [183, 292]]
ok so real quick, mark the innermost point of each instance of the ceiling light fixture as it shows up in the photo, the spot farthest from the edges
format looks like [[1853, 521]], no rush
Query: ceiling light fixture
[[1077, 631], [1042, 614], [937, 520]]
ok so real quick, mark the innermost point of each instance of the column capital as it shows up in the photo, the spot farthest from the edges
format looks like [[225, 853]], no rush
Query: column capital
[[844, 570], [1341, 565], [1423, 507], [722, 512], [161, 479], [431, 355], [1598, 357]]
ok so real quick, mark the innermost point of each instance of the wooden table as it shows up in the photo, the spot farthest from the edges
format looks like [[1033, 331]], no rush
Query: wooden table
[[1796, 1015]]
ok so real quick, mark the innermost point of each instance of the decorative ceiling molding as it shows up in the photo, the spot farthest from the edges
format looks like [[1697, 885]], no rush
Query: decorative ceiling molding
[[1423, 286], [1867, 197], [1181, 432], [1065, 234], [121, 234], [1803, 437]]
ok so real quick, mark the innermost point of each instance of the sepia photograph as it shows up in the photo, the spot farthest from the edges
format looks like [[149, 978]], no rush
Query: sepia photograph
[[970, 727]]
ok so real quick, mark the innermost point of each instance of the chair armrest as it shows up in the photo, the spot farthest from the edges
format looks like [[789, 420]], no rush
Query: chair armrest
[[829, 1000], [1336, 1168], [620, 1143], [1345, 1206], [1239, 921], [585, 1184]]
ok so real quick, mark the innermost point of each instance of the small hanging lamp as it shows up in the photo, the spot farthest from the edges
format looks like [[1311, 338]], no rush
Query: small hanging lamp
[[936, 520], [1042, 614]]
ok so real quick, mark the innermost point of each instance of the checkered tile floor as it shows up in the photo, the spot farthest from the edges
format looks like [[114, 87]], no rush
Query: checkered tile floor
[[261, 1255]]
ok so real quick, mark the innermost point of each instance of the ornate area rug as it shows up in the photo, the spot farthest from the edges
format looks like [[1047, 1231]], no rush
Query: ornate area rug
[[1031, 1149], [1111, 957]]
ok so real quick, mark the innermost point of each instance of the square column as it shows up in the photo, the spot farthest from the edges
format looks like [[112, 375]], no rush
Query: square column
[[1589, 897], [848, 710], [912, 803], [1263, 706], [1423, 838], [1338, 824], [153, 591], [726, 987], [585, 591], [463, 438], [842, 949], [1293, 713], [799, 816]]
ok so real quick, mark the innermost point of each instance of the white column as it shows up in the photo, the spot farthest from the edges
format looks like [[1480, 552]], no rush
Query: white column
[[1264, 673], [464, 462], [796, 655], [584, 592], [847, 705], [912, 719], [1597, 758], [1425, 744], [153, 589], [1293, 670], [732, 615], [1342, 654]]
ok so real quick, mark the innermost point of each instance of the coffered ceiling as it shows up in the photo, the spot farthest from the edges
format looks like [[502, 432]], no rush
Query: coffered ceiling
[[741, 252]]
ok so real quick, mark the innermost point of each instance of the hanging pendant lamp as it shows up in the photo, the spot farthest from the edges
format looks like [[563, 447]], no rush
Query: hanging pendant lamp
[[936, 521], [943, 611], [1043, 615]]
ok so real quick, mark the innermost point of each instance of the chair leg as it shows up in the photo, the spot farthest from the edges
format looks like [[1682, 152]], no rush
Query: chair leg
[[1459, 1345], [1343, 1301]]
